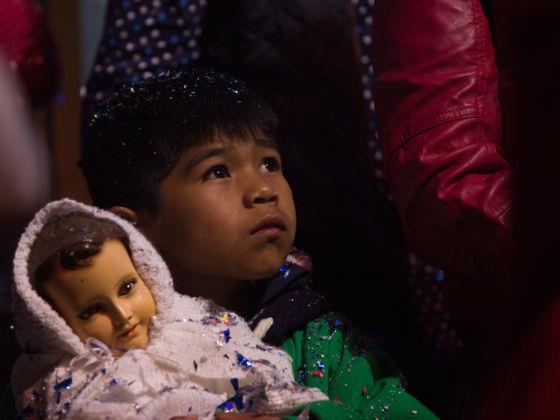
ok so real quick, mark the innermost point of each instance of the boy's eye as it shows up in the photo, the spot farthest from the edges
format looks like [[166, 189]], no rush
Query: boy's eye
[[127, 287], [216, 172], [88, 312], [270, 164]]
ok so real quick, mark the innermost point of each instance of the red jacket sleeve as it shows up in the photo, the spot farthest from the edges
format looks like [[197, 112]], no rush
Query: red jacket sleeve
[[440, 131]]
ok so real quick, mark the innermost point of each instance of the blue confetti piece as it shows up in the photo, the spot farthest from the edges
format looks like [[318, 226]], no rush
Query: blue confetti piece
[[235, 384], [234, 404], [242, 361], [226, 406], [238, 401], [320, 365], [227, 335], [104, 371], [440, 276], [63, 384], [283, 268]]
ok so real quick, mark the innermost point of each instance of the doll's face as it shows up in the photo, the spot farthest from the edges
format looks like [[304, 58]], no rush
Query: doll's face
[[106, 300]]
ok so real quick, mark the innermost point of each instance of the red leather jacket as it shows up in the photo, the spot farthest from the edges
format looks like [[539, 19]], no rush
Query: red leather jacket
[[440, 130]]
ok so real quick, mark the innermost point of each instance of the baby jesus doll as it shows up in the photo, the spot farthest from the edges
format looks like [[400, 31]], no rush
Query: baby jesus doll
[[104, 335]]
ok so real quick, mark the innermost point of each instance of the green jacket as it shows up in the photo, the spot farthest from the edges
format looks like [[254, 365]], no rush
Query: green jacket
[[360, 381]]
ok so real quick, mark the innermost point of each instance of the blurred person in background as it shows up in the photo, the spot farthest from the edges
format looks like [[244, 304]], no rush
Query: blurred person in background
[[28, 77]]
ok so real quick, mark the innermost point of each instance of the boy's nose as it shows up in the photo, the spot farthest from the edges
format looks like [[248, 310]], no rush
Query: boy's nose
[[260, 194]]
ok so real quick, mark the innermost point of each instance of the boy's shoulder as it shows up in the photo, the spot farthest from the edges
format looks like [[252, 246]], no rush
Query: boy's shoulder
[[333, 335]]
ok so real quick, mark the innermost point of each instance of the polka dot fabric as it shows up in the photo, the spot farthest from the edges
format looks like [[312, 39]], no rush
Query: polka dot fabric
[[142, 39], [425, 281]]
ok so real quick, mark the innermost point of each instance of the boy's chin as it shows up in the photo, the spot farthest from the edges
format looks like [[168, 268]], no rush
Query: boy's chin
[[263, 269]]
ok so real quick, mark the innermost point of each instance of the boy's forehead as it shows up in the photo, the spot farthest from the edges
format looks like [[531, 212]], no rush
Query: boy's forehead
[[257, 138]]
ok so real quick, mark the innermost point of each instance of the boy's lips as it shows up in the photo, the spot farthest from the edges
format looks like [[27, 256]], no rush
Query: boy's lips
[[270, 225]]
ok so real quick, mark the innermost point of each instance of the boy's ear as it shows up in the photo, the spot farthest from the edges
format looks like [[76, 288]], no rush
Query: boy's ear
[[141, 219], [127, 214]]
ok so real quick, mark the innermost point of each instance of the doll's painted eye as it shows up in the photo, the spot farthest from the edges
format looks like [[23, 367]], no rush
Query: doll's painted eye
[[270, 164], [127, 287], [88, 312], [216, 172]]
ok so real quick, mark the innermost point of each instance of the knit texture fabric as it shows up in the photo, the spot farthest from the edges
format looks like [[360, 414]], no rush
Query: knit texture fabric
[[199, 354]]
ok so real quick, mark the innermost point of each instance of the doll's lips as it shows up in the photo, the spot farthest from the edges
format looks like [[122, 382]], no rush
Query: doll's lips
[[128, 332], [270, 225]]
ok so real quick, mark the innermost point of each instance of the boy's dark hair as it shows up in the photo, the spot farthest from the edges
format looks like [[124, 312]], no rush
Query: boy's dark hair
[[137, 136], [70, 242]]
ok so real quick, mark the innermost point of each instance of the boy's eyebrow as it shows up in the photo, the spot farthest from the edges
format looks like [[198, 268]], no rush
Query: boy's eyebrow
[[220, 150], [267, 142], [205, 154]]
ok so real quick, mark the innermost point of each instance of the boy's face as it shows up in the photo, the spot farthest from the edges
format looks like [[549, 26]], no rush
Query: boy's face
[[226, 212], [106, 300]]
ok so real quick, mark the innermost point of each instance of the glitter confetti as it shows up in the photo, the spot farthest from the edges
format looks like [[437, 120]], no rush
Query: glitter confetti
[[227, 318], [65, 384], [242, 361], [318, 374]]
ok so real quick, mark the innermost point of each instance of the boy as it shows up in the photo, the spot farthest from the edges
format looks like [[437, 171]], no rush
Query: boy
[[190, 159]]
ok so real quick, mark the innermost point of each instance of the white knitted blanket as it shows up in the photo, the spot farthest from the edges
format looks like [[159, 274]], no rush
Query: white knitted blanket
[[199, 354]]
